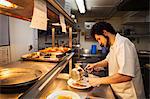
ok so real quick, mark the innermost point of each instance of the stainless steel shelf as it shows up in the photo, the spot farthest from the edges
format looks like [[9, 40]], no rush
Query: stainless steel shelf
[[137, 35], [61, 10]]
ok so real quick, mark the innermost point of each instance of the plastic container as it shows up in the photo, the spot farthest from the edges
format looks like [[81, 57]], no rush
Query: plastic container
[[93, 49]]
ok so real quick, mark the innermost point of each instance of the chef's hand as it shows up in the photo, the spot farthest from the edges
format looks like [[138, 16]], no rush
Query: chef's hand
[[97, 69], [89, 68], [94, 81]]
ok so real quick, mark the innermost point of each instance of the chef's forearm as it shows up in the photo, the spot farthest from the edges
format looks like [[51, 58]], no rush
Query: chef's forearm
[[102, 63], [116, 78]]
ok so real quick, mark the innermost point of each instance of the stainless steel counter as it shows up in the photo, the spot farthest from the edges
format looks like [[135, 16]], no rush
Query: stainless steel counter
[[43, 66], [103, 91], [50, 85]]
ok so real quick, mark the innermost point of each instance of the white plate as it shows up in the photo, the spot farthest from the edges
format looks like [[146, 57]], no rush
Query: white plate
[[71, 82], [55, 94]]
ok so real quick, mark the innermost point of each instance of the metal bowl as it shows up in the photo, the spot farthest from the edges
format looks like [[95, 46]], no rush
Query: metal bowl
[[86, 51], [18, 79]]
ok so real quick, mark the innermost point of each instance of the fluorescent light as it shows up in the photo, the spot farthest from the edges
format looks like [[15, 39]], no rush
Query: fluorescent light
[[75, 20], [80, 4], [73, 16], [7, 4], [56, 24]]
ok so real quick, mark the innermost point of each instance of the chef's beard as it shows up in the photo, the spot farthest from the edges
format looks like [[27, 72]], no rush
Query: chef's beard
[[107, 43], [107, 46]]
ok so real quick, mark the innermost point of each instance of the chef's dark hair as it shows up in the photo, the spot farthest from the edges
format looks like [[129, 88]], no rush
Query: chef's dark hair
[[100, 26]]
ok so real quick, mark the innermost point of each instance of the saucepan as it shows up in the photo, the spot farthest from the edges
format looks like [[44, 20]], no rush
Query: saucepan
[[16, 80]]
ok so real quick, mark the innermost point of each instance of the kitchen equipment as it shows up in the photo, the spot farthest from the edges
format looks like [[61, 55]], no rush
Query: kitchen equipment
[[78, 79], [146, 52], [86, 51], [77, 73], [14, 80]]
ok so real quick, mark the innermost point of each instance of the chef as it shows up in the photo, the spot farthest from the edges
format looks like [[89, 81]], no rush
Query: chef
[[122, 61]]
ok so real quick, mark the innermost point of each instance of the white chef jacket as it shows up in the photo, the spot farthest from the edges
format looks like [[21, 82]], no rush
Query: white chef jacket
[[123, 59]]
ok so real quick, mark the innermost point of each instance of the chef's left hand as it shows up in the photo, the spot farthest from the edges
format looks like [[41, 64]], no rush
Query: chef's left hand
[[94, 81]]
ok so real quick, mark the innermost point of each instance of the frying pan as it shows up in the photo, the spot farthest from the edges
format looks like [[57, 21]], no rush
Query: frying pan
[[15, 80]]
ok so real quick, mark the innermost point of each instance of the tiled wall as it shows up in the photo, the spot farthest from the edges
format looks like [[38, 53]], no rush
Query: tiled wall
[[4, 55]]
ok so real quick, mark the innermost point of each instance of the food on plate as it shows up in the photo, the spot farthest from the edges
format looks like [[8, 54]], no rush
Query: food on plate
[[78, 84], [64, 97]]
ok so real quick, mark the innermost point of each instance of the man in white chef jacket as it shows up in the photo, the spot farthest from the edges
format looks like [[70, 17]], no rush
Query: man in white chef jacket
[[122, 61]]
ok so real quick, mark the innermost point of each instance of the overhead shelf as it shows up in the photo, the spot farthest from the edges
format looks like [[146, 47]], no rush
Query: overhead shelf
[[61, 10], [138, 35], [136, 17], [26, 12]]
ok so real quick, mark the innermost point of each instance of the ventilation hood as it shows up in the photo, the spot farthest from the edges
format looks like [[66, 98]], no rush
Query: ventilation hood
[[134, 5]]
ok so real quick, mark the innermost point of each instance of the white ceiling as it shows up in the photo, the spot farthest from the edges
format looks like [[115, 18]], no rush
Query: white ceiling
[[100, 3], [97, 8]]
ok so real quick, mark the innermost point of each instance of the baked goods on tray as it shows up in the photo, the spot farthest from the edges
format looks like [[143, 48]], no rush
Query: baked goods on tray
[[55, 49], [51, 54]]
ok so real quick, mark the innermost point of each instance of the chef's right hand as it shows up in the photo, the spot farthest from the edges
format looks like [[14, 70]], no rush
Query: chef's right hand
[[89, 68]]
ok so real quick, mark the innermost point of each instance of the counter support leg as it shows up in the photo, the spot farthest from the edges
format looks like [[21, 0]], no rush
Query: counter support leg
[[70, 67], [53, 37], [70, 45]]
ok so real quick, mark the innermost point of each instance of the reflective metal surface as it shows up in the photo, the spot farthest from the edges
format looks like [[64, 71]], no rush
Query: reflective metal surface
[[14, 76], [101, 92], [9, 92]]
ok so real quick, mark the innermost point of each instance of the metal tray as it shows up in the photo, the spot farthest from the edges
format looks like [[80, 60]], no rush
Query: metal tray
[[18, 78], [51, 57]]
